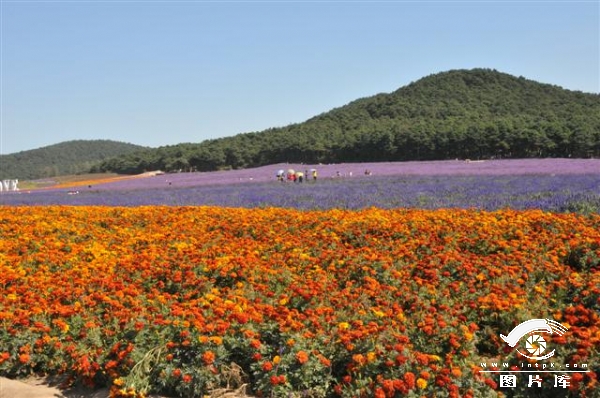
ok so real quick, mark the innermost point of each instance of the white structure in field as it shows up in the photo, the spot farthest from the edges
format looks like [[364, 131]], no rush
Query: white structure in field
[[9, 185]]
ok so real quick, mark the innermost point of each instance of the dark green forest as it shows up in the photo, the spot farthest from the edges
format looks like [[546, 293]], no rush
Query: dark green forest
[[474, 114], [71, 157], [466, 114]]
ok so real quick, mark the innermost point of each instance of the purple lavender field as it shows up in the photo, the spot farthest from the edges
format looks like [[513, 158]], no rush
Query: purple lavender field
[[549, 184]]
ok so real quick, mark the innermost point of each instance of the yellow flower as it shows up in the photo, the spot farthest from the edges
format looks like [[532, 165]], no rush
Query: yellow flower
[[118, 382], [378, 313], [421, 383], [216, 340], [371, 356], [344, 326]]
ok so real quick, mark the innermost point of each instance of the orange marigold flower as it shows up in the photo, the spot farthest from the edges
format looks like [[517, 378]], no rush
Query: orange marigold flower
[[255, 343], [249, 333], [187, 378], [267, 366], [24, 358], [302, 357], [359, 359], [422, 359], [208, 357], [324, 361]]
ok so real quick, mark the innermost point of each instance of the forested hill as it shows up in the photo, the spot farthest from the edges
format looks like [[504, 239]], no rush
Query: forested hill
[[479, 113], [69, 157]]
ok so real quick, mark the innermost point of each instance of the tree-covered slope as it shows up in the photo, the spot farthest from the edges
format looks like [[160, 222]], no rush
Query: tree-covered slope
[[69, 157], [479, 113]]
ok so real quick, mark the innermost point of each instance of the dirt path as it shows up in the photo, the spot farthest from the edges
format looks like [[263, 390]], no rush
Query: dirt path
[[36, 387], [42, 388]]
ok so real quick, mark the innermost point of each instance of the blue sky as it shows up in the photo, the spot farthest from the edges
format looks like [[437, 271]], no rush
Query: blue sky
[[164, 72]]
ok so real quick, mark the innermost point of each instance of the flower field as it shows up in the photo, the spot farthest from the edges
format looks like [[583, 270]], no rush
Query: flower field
[[556, 193], [557, 185], [187, 301]]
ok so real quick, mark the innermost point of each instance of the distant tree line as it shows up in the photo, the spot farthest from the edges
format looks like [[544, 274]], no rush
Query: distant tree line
[[473, 114], [71, 157]]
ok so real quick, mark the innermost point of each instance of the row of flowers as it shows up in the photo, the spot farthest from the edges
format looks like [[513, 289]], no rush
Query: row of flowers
[[188, 300]]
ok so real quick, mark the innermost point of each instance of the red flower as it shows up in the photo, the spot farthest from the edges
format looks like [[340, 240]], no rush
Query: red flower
[[388, 386], [491, 383], [409, 379], [400, 386], [111, 364], [275, 380]]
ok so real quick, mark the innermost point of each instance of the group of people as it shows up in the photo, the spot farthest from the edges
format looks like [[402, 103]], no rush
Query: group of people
[[296, 176]]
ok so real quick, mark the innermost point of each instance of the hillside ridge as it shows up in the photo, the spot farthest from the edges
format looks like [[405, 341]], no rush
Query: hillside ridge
[[467, 114], [69, 157]]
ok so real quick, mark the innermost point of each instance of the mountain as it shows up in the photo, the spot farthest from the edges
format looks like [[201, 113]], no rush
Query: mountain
[[70, 157], [478, 113]]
